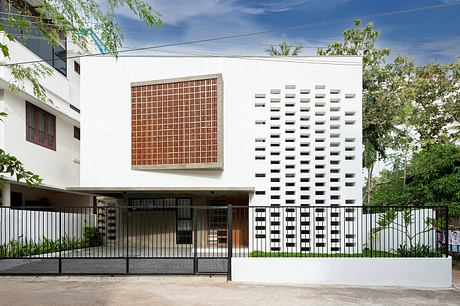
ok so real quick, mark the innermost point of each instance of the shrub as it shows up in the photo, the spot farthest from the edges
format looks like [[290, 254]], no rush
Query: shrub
[[419, 250], [24, 248], [91, 236]]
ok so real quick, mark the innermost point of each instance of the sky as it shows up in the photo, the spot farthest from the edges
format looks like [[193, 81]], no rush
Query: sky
[[426, 36]]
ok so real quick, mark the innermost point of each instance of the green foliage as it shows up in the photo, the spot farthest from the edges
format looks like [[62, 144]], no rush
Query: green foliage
[[433, 179], [434, 94], [283, 49], [11, 166], [33, 73], [26, 248], [91, 236], [419, 250]]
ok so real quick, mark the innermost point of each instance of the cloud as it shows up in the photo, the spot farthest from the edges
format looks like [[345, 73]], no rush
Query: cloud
[[175, 12], [423, 51]]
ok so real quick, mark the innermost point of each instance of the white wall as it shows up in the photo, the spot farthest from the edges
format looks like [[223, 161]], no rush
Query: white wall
[[34, 225], [407, 272], [106, 104], [56, 168], [396, 234]]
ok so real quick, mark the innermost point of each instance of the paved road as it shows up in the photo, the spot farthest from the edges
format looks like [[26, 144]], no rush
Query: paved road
[[199, 290]]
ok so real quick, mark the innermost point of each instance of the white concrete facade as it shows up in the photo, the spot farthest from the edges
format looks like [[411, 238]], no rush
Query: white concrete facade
[[405, 272], [106, 126]]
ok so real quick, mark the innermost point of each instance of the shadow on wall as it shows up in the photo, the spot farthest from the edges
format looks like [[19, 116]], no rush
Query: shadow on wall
[[213, 174]]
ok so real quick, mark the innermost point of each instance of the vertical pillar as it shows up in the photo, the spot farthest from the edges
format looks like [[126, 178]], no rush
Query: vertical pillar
[[6, 195], [229, 242]]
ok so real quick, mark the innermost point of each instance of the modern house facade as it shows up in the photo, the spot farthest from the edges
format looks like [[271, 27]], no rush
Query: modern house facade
[[44, 135], [212, 131]]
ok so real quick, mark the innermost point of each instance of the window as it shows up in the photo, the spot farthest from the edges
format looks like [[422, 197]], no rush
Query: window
[[41, 127], [34, 39], [76, 133], [76, 67]]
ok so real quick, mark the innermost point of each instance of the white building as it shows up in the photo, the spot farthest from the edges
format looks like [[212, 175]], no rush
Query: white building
[[256, 131], [44, 136]]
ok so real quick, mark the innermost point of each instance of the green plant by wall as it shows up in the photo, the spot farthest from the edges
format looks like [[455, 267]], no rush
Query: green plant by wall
[[25, 248]]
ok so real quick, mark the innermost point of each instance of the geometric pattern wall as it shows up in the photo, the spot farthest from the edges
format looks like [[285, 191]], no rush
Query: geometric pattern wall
[[306, 153], [176, 123]]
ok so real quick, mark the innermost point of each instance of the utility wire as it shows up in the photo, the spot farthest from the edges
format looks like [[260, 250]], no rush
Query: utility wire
[[312, 25], [284, 59]]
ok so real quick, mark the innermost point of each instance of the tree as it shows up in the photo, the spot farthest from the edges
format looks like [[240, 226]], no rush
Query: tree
[[434, 94], [56, 19], [382, 83], [283, 49], [433, 179]]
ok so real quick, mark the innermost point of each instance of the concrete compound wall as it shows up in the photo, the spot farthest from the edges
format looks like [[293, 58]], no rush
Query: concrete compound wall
[[22, 225], [407, 272]]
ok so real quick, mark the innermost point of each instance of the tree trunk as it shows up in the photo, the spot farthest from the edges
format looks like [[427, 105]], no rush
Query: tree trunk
[[369, 183]]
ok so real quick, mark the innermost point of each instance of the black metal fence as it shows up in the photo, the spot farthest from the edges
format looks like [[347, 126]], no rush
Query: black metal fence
[[347, 231], [183, 239]]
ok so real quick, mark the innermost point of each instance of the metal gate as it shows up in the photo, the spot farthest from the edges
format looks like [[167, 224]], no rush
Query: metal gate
[[147, 237]]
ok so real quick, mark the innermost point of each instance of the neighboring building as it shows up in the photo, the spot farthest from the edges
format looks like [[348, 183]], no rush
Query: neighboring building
[[45, 136], [256, 131]]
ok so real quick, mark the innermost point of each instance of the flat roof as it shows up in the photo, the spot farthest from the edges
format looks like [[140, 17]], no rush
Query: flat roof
[[97, 190]]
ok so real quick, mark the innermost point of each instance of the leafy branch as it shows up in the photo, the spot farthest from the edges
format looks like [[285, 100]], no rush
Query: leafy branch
[[32, 73], [11, 166]]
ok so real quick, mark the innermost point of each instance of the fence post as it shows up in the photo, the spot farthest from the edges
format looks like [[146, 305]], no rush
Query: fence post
[[229, 242], [127, 240], [195, 240], [446, 229], [371, 236], [60, 240]]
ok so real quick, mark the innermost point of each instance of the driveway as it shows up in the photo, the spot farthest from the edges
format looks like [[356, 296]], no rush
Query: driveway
[[200, 290]]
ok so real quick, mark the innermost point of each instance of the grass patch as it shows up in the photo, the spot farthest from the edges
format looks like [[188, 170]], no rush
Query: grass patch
[[365, 253]]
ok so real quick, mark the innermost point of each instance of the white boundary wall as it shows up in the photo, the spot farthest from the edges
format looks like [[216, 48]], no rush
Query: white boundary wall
[[34, 225], [390, 238], [407, 272]]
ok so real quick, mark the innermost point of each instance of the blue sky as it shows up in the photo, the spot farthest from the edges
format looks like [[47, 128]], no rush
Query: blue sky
[[431, 35]]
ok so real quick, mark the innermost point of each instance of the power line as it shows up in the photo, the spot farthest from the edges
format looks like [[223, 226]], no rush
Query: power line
[[287, 59], [312, 25]]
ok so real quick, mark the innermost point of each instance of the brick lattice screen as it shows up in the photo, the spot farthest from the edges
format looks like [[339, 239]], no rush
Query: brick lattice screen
[[175, 124]]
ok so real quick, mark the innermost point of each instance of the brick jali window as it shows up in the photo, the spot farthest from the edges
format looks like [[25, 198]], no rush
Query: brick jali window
[[177, 123]]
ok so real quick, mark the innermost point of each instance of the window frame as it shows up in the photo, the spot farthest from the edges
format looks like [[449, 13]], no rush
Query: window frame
[[47, 116]]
